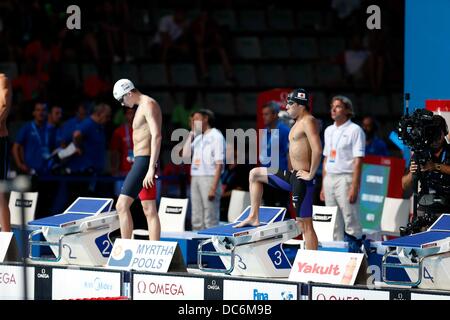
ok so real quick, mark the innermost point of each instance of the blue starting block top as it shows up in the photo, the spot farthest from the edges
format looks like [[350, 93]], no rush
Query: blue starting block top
[[90, 206], [442, 223], [79, 209], [417, 240], [59, 220], [267, 215], [227, 230], [440, 230]]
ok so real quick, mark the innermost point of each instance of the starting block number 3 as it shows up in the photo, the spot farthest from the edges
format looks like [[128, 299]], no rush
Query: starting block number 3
[[278, 257], [240, 263]]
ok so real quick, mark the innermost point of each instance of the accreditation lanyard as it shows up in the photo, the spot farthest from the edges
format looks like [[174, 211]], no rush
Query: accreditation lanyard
[[333, 153], [45, 151], [443, 156]]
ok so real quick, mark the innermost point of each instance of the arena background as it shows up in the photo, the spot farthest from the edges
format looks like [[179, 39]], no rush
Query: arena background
[[271, 44]]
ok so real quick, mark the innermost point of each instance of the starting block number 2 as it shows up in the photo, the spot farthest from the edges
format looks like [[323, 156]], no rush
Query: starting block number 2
[[104, 245]]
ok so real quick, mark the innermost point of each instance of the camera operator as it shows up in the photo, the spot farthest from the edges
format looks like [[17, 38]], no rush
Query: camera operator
[[434, 176]]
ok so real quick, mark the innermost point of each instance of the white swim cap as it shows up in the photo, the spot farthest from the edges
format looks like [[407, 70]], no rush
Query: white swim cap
[[121, 88]]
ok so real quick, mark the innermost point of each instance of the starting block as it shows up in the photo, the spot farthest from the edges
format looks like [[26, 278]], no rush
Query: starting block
[[80, 235], [251, 251], [425, 256]]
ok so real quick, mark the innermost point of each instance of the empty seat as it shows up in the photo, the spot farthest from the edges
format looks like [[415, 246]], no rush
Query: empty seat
[[239, 200], [376, 105], [136, 47], [397, 104], [220, 103], [153, 75], [331, 47], [247, 47], [225, 18], [395, 215], [246, 103], [87, 70], [183, 75], [126, 70], [243, 124], [217, 74], [161, 12], [189, 97], [320, 104], [329, 74], [164, 100], [304, 48], [245, 74], [300, 75], [271, 75], [309, 20], [71, 71], [143, 20], [275, 47], [281, 20], [252, 20], [27, 204], [10, 69]]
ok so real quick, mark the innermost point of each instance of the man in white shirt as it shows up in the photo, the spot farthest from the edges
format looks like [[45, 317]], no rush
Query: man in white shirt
[[206, 146], [344, 149]]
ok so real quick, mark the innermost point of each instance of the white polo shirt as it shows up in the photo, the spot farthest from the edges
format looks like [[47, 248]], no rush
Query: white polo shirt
[[342, 145], [208, 149]]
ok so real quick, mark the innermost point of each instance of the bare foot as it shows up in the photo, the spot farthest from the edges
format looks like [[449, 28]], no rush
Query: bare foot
[[248, 223]]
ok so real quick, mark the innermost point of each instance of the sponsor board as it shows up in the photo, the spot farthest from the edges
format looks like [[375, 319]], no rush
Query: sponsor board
[[12, 282], [214, 288], [325, 267], [83, 284], [5, 240], [143, 255], [156, 287], [43, 278], [427, 296], [333, 293], [251, 290]]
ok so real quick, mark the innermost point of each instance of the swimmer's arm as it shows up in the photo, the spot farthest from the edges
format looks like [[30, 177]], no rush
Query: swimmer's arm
[[312, 133], [5, 100], [154, 120]]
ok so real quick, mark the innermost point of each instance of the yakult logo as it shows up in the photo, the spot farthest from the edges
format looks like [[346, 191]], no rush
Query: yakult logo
[[305, 267]]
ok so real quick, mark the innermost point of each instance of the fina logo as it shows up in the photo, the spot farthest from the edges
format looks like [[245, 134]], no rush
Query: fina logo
[[213, 286], [260, 295], [287, 295]]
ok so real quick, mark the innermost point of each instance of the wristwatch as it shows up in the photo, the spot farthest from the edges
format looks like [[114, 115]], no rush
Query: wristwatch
[[438, 167]]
